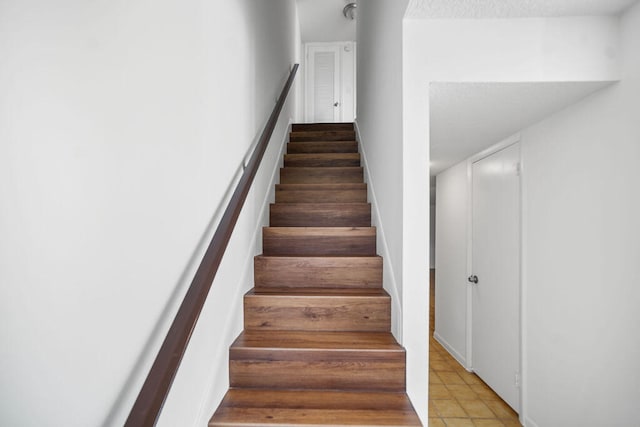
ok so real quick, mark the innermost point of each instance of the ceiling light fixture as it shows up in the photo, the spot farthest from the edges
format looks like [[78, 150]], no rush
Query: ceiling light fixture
[[349, 11]]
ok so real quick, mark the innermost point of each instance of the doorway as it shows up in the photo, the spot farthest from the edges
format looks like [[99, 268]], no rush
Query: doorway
[[330, 82], [495, 271]]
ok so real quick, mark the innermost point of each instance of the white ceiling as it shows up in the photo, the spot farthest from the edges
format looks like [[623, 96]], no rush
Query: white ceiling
[[461, 122], [469, 117], [323, 21], [434, 9]]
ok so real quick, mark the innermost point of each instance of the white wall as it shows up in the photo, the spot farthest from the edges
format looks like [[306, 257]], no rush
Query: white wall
[[581, 243], [122, 125], [348, 81], [323, 21], [491, 50], [514, 50], [452, 198], [380, 124], [379, 121]]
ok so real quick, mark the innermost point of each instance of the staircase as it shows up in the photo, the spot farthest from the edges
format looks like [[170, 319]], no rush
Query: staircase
[[317, 349]]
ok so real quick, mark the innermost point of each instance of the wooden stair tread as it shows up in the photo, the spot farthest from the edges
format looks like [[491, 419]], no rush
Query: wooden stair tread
[[319, 241], [322, 156], [314, 309], [325, 141], [318, 360], [322, 159], [287, 292], [322, 147], [338, 205], [322, 187], [322, 175], [324, 272], [316, 399], [319, 231], [253, 407], [321, 340], [322, 135], [320, 215], [291, 417], [302, 127], [304, 196], [320, 169], [321, 193]]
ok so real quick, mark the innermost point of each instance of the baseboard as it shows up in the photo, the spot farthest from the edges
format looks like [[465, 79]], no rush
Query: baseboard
[[452, 351], [213, 396], [390, 283]]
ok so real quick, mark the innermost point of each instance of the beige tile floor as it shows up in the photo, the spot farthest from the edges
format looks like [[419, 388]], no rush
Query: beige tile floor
[[459, 398]]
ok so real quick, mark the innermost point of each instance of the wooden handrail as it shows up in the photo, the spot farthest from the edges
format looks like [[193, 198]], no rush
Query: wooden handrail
[[156, 387]]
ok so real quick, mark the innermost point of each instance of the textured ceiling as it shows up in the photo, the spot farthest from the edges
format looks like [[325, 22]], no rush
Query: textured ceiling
[[322, 21], [433, 9], [466, 118]]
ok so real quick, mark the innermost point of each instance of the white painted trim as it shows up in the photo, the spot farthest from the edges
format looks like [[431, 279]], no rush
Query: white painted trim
[[355, 81], [524, 377], [392, 287], [513, 139], [469, 293], [452, 351], [230, 333]]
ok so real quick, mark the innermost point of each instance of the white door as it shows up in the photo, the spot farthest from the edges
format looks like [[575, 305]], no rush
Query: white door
[[323, 85], [330, 82], [495, 307]]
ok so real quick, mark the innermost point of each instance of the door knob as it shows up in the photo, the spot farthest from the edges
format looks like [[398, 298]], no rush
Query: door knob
[[473, 279], [335, 104]]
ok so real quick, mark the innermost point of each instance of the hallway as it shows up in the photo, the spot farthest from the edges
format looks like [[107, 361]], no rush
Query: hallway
[[456, 397]]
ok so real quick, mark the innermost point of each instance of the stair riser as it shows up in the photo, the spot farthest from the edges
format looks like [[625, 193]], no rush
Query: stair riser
[[317, 313], [309, 370], [318, 245], [322, 136], [321, 175], [316, 127], [311, 196], [318, 272], [310, 215], [322, 147], [322, 160]]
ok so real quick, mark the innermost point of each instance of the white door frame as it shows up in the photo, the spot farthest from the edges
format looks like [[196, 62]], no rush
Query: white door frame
[[514, 139]]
